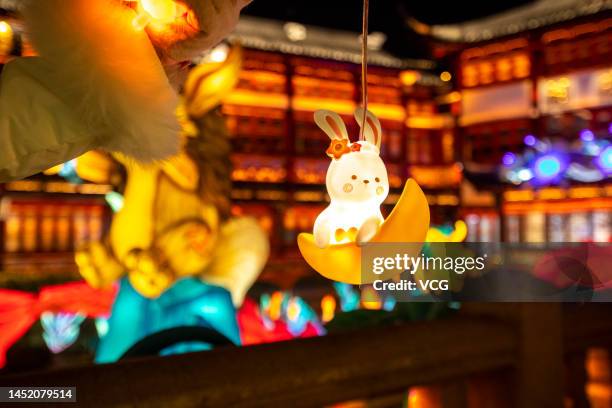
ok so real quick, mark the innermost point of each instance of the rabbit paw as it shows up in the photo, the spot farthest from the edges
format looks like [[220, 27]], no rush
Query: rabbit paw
[[368, 230]]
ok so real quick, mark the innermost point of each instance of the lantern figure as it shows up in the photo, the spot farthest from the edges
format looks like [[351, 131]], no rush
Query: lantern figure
[[356, 181]]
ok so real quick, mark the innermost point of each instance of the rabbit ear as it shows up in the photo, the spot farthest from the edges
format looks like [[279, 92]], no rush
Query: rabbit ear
[[331, 123], [373, 131]]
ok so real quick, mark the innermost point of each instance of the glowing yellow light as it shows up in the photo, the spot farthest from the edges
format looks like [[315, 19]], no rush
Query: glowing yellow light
[[155, 11], [457, 235], [409, 77], [276, 303], [328, 308], [370, 300], [6, 38], [446, 76], [293, 310], [162, 10]]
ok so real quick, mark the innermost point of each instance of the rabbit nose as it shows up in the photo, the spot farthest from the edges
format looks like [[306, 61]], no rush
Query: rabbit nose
[[366, 181]]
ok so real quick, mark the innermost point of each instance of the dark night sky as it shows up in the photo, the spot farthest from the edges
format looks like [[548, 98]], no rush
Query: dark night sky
[[385, 15]]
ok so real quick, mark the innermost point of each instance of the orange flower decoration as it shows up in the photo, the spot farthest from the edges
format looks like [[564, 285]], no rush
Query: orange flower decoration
[[337, 148], [355, 147]]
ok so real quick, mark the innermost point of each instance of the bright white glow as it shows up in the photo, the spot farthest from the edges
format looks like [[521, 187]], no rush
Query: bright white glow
[[161, 10], [218, 54], [4, 27], [525, 175], [356, 181], [102, 326], [295, 31]]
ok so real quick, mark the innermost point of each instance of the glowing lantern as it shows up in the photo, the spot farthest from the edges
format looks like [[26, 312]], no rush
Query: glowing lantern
[[357, 182], [409, 77], [328, 308], [158, 11], [6, 38]]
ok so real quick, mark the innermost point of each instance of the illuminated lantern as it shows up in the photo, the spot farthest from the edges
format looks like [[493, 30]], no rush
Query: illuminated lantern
[[328, 308], [357, 184], [159, 11], [356, 181], [6, 38]]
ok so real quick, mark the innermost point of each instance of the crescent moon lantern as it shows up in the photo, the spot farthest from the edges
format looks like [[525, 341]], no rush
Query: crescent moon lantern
[[408, 222]]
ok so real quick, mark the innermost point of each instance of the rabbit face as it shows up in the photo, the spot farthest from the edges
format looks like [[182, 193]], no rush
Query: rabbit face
[[358, 177], [356, 173]]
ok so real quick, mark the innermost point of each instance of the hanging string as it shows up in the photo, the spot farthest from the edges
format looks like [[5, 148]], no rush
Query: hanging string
[[364, 66]]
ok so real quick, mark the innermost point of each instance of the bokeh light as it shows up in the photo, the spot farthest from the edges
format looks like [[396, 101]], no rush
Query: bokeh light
[[586, 135], [509, 159], [548, 166], [605, 159]]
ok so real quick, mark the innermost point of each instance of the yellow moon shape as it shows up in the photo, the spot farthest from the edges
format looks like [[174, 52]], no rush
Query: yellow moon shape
[[408, 222]]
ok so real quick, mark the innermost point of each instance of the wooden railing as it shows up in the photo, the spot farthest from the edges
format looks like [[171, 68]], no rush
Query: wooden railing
[[493, 355]]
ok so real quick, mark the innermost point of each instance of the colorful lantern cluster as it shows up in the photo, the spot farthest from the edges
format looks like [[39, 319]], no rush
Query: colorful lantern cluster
[[550, 162]]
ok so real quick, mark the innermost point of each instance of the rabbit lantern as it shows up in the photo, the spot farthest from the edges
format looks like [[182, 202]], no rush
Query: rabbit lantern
[[357, 181]]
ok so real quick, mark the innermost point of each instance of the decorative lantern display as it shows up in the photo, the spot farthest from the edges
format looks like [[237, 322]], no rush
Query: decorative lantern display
[[356, 181], [357, 184], [552, 162]]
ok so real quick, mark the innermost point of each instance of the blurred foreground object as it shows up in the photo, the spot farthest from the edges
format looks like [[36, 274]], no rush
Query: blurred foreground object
[[20, 310], [174, 228], [98, 82]]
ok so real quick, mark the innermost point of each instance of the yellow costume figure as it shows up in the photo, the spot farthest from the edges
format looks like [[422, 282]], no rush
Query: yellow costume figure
[[175, 221], [174, 245]]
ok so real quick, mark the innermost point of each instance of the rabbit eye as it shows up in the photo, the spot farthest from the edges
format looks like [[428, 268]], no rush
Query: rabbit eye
[[354, 177], [377, 180]]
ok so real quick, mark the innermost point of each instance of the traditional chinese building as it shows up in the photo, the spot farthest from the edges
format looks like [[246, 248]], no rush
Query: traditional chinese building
[[543, 69]]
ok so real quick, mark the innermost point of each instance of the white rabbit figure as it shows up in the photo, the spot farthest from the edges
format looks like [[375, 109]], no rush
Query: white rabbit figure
[[357, 182]]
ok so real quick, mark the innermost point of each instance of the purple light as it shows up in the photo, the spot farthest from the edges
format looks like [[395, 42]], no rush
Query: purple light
[[530, 140], [610, 128], [548, 167], [509, 159], [586, 135]]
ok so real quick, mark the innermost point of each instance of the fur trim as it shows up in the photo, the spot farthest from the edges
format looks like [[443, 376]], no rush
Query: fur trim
[[107, 73]]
